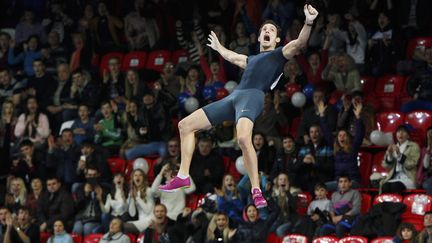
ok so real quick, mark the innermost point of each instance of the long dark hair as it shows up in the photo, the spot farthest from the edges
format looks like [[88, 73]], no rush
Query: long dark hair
[[36, 118]]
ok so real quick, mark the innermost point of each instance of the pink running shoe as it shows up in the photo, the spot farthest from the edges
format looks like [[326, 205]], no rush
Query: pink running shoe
[[175, 183], [258, 198]]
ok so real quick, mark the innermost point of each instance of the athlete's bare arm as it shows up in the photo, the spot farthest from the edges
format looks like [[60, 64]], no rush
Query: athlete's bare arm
[[293, 47], [232, 57]]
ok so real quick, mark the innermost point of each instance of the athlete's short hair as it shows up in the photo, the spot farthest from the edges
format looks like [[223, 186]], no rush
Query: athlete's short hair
[[269, 21]]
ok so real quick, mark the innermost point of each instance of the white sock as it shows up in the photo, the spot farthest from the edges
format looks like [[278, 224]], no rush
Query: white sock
[[182, 176], [255, 188]]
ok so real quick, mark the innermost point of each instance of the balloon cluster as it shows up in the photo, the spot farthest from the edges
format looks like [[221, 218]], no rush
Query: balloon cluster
[[381, 139], [298, 98]]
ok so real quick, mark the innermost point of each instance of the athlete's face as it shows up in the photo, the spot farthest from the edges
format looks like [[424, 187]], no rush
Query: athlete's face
[[268, 37]]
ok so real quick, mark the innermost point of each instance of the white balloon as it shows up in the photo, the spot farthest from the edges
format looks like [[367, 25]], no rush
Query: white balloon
[[240, 165], [377, 138], [142, 164], [191, 104], [298, 99], [230, 86]]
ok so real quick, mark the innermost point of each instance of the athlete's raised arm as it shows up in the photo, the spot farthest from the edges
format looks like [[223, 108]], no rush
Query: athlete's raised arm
[[294, 46], [232, 57]]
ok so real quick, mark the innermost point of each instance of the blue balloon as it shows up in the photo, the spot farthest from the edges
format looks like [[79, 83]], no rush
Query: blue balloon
[[308, 90], [209, 93], [218, 85], [181, 99]]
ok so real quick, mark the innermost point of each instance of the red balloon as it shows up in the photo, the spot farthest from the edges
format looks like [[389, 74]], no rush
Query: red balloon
[[221, 93], [292, 88]]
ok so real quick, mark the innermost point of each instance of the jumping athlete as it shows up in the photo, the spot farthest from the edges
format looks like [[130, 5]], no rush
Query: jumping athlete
[[245, 103]]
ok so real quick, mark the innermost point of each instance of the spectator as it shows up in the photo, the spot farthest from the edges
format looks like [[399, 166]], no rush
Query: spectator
[[56, 48], [228, 200], [345, 147], [172, 157], [27, 56], [21, 229], [197, 37], [293, 74], [30, 162], [33, 198], [285, 160], [108, 132], [140, 203], [10, 88], [16, 196], [333, 30], [62, 157], [84, 90], [281, 12], [341, 70], [28, 27], [160, 225], [92, 157], [207, 166], [191, 84], [423, 236], [4, 213], [106, 29], [401, 160], [346, 204], [7, 124], [55, 204], [219, 229], [113, 85], [87, 18], [173, 202], [166, 99], [83, 126], [313, 64], [41, 85], [115, 234], [82, 55], [190, 227], [169, 80], [141, 30], [405, 233], [311, 117], [58, 20], [5, 39], [134, 86], [426, 163], [115, 204], [356, 41], [213, 72], [241, 42], [265, 152], [32, 124], [60, 234], [151, 129]]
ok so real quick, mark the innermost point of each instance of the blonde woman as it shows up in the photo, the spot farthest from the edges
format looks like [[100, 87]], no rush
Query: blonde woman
[[17, 195], [228, 198], [218, 229], [140, 203]]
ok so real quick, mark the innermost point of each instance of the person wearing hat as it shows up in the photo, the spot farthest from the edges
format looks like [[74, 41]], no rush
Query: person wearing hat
[[401, 160]]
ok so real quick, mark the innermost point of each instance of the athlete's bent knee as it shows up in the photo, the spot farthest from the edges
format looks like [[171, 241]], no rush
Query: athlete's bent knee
[[184, 126], [244, 141]]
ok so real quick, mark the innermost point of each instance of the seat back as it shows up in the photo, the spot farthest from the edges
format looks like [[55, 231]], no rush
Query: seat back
[[417, 205], [140, 238], [326, 239], [76, 238], [294, 238], [134, 59], [389, 121], [353, 239], [116, 164], [366, 203], [387, 197], [365, 166], [93, 238], [419, 121], [382, 240], [419, 42], [303, 201], [376, 165], [180, 56], [156, 60], [389, 85]]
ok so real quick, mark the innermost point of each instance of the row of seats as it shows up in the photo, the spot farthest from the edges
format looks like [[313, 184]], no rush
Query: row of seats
[[92, 238], [293, 238]]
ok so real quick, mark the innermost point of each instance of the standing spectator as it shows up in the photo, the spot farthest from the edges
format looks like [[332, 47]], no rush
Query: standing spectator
[[106, 29], [141, 29], [169, 80], [229, 200], [160, 225], [57, 49], [197, 37], [60, 234], [401, 160], [341, 70], [21, 229], [82, 54], [213, 72], [55, 204], [173, 202], [58, 20], [83, 126], [113, 85], [115, 234], [423, 236], [219, 229], [32, 124], [108, 132], [356, 41], [241, 42], [28, 27], [27, 56], [41, 85], [346, 203], [313, 64], [281, 12], [7, 123]]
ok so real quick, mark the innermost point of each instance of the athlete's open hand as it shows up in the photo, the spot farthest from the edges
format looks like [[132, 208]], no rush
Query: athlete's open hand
[[310, 12], [214, 41]]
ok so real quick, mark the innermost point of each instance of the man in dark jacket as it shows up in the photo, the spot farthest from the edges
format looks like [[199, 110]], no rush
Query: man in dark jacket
[[160, 225]]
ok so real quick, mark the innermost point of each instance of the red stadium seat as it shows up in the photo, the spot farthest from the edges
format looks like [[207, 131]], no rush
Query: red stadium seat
[[294, 125], [388, 89], [135, 59], [387, 197], [132, 237], [44, 236], [303, 201], [365, 165], [425, 42], [140, 238], [105, 59], [366, 203], [382, 240], [157, 59], [116, 164], [325, 239], [389, 121], [230, 168], [376, 166], [294, 238], [272, 238], [192, 201], [76, 238], [93, 238], [417, 206], [368, 84], [420, 121], [353, 239], [180, 56]]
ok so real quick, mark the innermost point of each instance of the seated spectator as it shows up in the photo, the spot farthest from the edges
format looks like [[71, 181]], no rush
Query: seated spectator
[[406, 232], [401, 160], [82, 55], [228, 200], [41, 84], [140, 203], [341, 70], [16, 195], [266, 153], [169, 80], [21, 229], [346, 204], [60, 234], [84, 90], [29, 163], [55, 204], [4, 213], [311, 117], [160, 225], [113, 81], [62, 157], [91, 156], [423, 236], [219, 229], [10, 88], [426, 173], [134, 85], [28, 27], [115, 233], [129, 120], [190, 227], [7, 125], [32, 124], [287, 203], [108, 133], [191, 83], [106, 29], [420, 88], [207, 167], [345, 148], [175, 201], [56, 47], [285, 161], [151, 128], [5, 38], [83, 126], [25, 58], [172, 157], [33, 198]]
